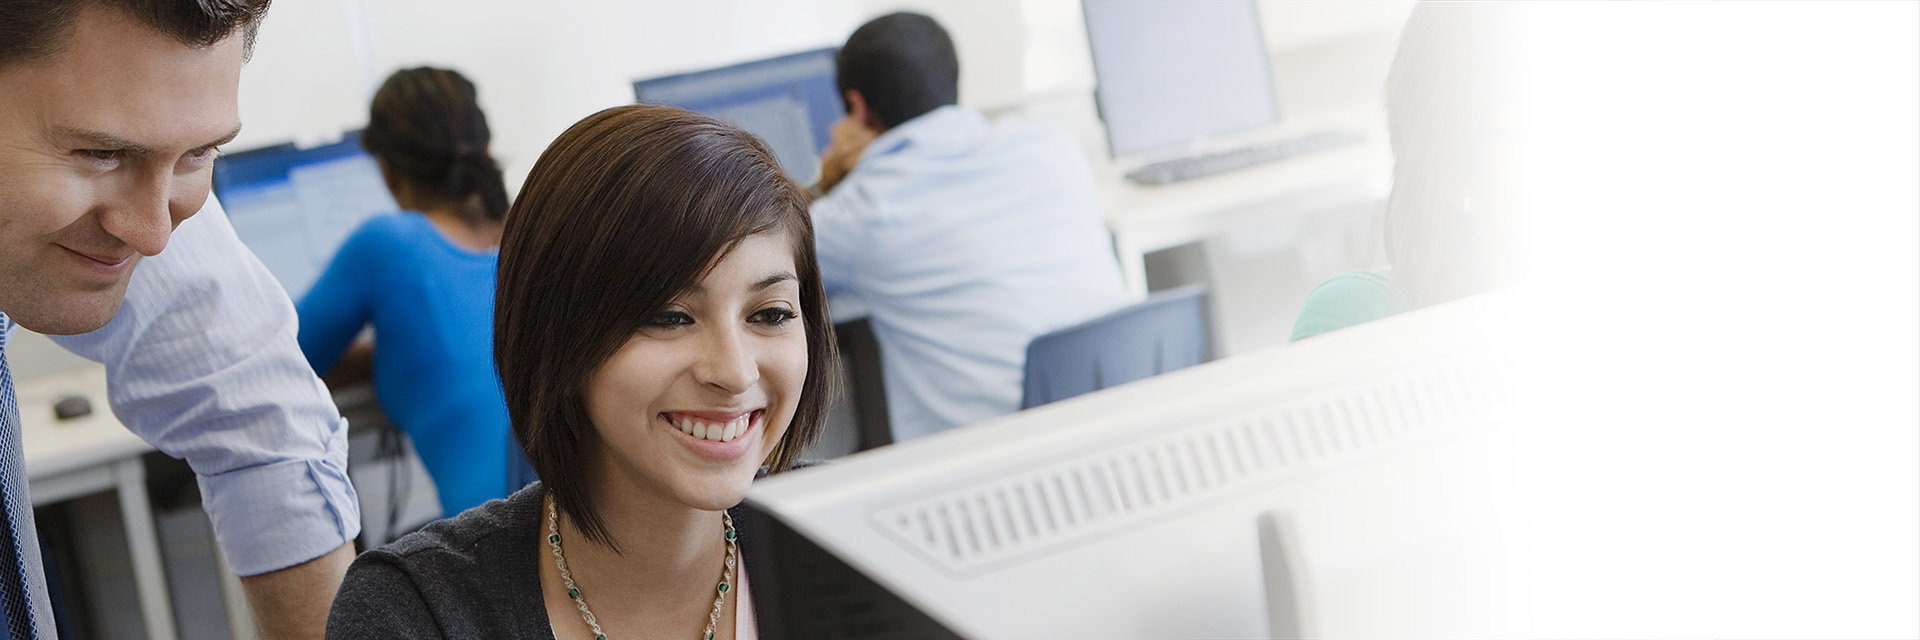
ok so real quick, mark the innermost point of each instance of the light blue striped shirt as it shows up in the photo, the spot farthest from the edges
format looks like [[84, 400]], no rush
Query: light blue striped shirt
[[203, 364], [966, 240]]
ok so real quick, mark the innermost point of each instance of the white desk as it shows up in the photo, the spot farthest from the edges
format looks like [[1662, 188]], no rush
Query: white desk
[[1145, 219], [67, 459]]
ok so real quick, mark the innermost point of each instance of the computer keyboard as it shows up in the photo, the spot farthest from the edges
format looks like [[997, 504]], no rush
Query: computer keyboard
[[1192, 167]]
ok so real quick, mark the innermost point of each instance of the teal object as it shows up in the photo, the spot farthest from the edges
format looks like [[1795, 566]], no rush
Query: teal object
[[1348, 299]]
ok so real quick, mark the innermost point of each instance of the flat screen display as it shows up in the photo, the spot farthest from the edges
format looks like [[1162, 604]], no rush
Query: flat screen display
[[1172, 72], [294, 207], [790, 101]]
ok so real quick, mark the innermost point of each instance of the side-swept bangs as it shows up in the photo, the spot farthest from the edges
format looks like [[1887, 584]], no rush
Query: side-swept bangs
[[625, 210]]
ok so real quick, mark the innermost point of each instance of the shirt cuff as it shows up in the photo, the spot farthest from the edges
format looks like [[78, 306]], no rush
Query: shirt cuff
[[275, 516]]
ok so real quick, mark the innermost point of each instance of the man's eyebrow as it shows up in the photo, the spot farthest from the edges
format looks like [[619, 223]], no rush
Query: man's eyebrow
[[101, 140], [235, 133], [104, 140]]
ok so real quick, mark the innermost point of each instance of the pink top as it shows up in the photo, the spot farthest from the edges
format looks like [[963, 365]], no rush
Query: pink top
[[743, 627]]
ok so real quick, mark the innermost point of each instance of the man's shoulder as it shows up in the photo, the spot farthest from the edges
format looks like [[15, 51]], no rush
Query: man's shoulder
[[1009, 151]]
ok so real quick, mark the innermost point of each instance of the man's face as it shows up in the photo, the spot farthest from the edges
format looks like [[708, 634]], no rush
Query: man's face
[[104, 149]]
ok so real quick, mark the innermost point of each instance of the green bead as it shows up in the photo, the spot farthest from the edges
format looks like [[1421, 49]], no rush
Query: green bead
[[709, 636], [599, 638], [723, 587], [573, 593], [730, 535], [555, 538]]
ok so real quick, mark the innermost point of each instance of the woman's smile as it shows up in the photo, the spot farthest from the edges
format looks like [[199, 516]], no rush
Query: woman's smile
[[719, 436]]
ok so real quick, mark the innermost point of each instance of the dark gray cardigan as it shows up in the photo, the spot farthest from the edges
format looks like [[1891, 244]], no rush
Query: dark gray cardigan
[[475, 575]]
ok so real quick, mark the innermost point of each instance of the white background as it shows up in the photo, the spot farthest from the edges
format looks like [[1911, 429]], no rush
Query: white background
[[542, 66]]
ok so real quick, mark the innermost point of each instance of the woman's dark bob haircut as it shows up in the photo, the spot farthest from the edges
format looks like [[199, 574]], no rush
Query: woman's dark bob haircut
[[625, 210]]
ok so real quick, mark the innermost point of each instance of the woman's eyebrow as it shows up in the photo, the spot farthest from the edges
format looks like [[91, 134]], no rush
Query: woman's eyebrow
[[773, 280]]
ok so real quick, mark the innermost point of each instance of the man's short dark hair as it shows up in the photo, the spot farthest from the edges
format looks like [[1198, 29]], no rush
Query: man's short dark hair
[[623, 212], [903, 64], [34, 30]]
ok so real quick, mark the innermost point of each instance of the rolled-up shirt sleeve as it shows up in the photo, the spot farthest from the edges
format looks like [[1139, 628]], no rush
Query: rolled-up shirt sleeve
[[203, 363]]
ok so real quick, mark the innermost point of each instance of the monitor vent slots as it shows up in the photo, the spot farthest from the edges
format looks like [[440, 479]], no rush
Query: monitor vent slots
[[1035, 512]]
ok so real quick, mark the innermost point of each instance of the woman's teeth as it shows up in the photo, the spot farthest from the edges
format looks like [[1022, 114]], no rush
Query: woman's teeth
[[715, 431]]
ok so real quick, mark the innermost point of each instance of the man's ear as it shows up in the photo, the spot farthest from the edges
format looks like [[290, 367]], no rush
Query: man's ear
[[858, 110]]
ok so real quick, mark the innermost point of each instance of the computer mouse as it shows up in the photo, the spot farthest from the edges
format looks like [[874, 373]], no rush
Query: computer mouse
[[70, 407]]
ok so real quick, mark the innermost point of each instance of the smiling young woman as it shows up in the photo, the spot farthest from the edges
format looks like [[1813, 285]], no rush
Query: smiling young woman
[[661, 336]]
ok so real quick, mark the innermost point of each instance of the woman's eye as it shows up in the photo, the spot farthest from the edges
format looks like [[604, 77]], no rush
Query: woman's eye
[[773, 316], [669, 319]]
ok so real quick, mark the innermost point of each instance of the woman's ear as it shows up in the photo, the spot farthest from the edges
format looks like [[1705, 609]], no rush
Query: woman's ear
[[393, 186]]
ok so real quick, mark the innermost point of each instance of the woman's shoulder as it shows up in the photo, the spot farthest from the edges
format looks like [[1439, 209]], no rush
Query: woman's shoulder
[[401, 228], [480, 566], [483, 529]]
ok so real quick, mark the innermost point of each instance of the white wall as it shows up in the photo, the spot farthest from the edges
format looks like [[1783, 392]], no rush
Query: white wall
[[542, 66]]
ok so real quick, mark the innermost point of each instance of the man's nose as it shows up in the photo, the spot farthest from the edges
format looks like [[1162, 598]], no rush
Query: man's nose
[[150, 208]]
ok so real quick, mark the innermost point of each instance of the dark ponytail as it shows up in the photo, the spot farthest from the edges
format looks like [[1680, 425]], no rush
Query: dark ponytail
[[476, 179], [427, 127]]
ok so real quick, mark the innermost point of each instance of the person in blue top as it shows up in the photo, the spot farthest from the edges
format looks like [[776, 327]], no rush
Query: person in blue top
[[424, 279]]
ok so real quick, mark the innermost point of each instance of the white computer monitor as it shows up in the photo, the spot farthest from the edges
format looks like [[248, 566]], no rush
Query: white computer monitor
[[1332, 488], [1172, 75]]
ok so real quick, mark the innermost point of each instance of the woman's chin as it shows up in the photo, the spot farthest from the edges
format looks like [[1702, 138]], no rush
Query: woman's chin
[[715, 497]]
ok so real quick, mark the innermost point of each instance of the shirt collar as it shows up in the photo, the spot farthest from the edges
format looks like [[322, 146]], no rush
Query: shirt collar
[[950, 124]]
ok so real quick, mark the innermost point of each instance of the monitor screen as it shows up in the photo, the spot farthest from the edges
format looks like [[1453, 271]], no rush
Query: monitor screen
[[790, 101], [1172, 72], [1330, 488], [294, 207]]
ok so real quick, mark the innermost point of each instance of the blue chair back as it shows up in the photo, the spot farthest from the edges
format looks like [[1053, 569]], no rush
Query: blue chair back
[[1166, 332]]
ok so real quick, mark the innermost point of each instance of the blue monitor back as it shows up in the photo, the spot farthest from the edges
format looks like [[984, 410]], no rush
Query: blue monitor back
[[790, 101], [294, 207]]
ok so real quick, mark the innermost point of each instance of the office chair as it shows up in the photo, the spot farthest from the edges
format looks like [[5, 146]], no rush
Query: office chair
[[1166, 332], [860, 354]]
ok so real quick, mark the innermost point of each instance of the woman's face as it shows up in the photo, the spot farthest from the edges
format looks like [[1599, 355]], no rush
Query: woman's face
[[691, 406]]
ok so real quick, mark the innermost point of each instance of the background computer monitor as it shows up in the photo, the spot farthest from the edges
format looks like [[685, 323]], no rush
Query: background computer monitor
[[1339, 487], [1170, 74], [790, 101], [294, 206]]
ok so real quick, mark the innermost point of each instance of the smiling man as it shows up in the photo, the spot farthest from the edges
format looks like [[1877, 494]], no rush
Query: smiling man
[[110, 115]]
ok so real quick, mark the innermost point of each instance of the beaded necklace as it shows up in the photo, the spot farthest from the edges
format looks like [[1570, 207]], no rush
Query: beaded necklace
[[580, 602]]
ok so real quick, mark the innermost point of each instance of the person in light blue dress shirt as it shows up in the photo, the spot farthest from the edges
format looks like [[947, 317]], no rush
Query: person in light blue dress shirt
[[110, 116], [964, 238]]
